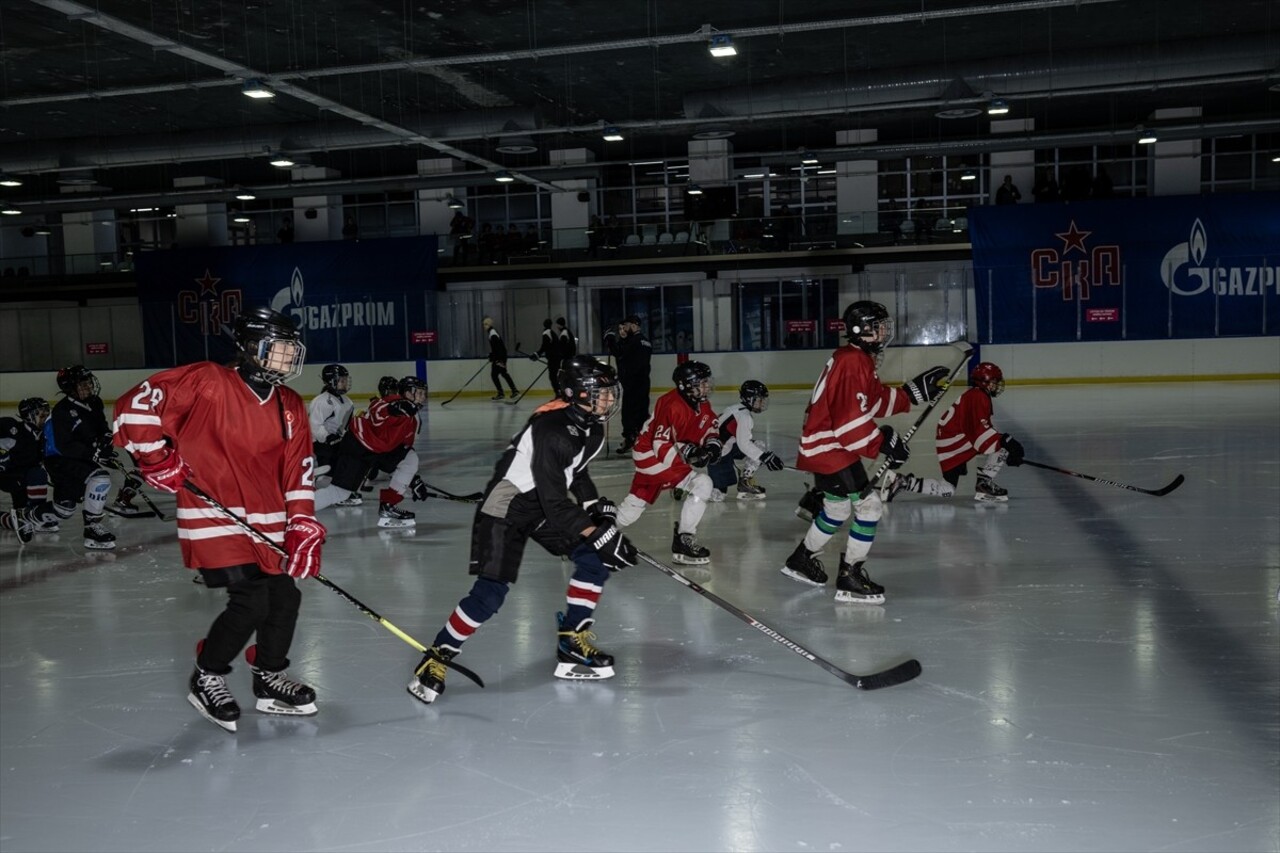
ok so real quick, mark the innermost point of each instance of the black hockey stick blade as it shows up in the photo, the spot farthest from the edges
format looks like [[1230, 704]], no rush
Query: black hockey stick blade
[[899, 674], [1177, 481]]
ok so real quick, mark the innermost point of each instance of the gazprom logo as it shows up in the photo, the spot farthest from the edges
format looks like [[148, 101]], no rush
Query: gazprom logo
[[1184, 271], [332, 315]]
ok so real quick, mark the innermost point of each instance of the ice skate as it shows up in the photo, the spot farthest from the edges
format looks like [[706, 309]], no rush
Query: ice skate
[[685, 549], [17, 521], [988, 492], [810, 505], [749, 489], [804, 567], [124, 507], [277, 693], [576, 658], [97, 537], [353, 499], [854, 587], [393, 516], [499, 396], [209, 695], [717, 497], [428, 678]]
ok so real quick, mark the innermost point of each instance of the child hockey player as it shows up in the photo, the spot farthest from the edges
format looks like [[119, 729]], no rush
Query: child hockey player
[[541, 490], [736, 426], [679, 440], [965, 431], [238, 434], [330, 412], [78, 453], [839, 432], [22, 474]]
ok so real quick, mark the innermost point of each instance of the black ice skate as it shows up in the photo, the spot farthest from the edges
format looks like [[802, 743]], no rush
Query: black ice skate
[[97, 537], [810, 505], [576, 658], [805, 567], [854, 587], [988, 492], [277, 693], [353, 499], [685, 549], [428, 679], [749, 489], [209, 695], [498, 396], [17, 521], [393, 516]]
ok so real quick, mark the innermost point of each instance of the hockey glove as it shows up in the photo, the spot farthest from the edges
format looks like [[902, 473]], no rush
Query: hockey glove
[[168, 474], [403, 408], [697, 457], [895, 450], [418, 489], [302, 540], [713, 447], [533, 357], [1014, 448], [603, 510], [614, 549], [772, 461], [928, 386], [332, 439], [106, 456]]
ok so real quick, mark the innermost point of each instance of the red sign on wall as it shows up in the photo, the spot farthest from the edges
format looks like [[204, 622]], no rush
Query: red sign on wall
[[422, 337], [96, 349], [1102, 315], [835, 325], [801, 325]]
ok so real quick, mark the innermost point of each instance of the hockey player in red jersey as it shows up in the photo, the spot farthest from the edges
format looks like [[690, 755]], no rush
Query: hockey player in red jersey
[[242, 437], [381, 439], [674, 448], [839, 432], [965, 431]]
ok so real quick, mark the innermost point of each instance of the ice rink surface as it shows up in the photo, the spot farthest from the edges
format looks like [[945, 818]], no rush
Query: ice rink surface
[[1101, 667]]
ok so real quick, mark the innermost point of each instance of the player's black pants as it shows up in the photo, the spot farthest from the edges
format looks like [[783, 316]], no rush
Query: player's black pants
[[498, 369], [635, 406], [256, 603], [353, 462], [553, 373]]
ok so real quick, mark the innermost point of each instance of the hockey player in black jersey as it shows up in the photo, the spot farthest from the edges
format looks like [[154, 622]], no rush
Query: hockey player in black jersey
[[78, 452], [540, 490], [21, 473]]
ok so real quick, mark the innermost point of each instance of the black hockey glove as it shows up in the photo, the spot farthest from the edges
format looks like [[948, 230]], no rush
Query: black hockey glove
[[418, 489], [772, 461], [895, 450], [332, 439], [714, 447], [106, 456], [603, 510], [697, 457], [404, 408], [614, 549], [928, 386], [1014, 448]]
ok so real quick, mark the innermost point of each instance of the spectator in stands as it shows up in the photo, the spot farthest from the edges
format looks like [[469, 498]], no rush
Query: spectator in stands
[[1008, 192], [461, 227], [285, 234], [350, 231], [1046, 188]]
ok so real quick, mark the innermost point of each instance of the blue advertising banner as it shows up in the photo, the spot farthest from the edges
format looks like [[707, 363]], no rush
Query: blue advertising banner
[[353, 300], [1128, 269]]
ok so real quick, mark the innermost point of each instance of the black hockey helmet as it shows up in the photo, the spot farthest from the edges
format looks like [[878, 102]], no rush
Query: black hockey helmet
[[34, 410], [332, 374], [546, 324], [269, 345], [72, 378], [411, 385], [388, 385], [868, 326], [693, 380], [754, 394], [588, 383]]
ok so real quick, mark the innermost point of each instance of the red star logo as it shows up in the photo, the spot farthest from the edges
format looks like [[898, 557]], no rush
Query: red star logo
[[1073, 238], [208, 284]]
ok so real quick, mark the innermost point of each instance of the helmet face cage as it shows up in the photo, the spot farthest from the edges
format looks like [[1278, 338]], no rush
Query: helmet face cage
[[591, 388], [269, 341], [388, 385], [868, 326], [34, 411], [336, 377], [693, 380], [79, 382], [413, 389], [989, 378], [754, 395]]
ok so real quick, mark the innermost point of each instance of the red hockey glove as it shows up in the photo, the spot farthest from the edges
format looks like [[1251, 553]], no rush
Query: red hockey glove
[[302, 540], [168, 474]]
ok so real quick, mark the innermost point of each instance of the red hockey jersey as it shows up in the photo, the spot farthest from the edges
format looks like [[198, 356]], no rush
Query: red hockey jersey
[[381, 429], [839, 426], [965, 430], [673, 422], [252, 455]]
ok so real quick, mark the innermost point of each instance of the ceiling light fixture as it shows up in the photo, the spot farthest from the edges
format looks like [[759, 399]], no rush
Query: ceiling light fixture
[[694, 189], [968, 175], [245, 196], [1146, 137], [503, 177], [612, 134], [256, 90], [11, 211], [722, 45], [1276, 159], [280, 161], [453, 203], [9, 180], [998, 107], [241, 219]]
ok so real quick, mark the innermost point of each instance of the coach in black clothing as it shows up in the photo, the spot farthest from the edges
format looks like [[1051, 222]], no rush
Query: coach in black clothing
[[633, 352]]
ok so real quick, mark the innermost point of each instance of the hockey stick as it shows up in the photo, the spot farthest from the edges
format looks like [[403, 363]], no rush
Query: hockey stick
[[899, 674], [527, 390], [362, 607], [906, 436], [464, 385], [1177, 481], [437, 492], [117, 465]]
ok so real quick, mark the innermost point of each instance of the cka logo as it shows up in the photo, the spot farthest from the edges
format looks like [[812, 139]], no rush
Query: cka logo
[[1185, 273], [289, 300]]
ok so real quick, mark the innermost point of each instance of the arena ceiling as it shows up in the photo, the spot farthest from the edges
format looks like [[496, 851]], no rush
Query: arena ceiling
[[106, 103]]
